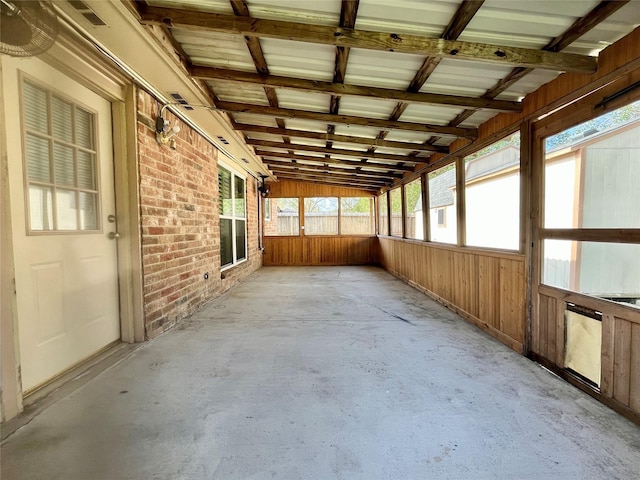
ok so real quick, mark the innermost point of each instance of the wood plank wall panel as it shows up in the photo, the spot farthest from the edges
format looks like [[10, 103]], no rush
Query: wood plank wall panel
[[622, 361], [342, 250], [634, 369], [287, 188], [486, 288], [620, 354]]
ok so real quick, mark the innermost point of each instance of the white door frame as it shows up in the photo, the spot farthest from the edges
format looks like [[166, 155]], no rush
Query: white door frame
[[75, 59]]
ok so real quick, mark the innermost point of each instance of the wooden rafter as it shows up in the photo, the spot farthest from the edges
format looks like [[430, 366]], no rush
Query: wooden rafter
[[241, 9], [458, 23], [461, 19], [581, 26], [285, 174], [244, 127], [333, 170], [348, 14], [337, 151], [212, 73], [334, 161], [382, 41], [235, 107]]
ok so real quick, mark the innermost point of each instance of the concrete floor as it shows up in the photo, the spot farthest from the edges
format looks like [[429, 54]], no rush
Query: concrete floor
[[324, 373]]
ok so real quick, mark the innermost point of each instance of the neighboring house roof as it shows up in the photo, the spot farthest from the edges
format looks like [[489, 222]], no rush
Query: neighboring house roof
[[598, 128], [494, 162], [441, 189]]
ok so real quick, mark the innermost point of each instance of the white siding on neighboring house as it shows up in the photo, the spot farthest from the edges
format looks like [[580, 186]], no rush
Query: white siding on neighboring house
[[492, 216]]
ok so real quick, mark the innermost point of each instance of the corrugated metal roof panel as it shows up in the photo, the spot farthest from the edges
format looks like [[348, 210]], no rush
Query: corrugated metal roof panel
[[357, 130], [406, 16], [310, 125], [433, 114], [316, 102], [366, 107], [381, 69], [215, 49], [523, 24], [262, 120], [407, 136], [527, 84], [319, 12], [478, 118], [213, 6], [239, 92], [456, 77], [299, 59], [605, 33]]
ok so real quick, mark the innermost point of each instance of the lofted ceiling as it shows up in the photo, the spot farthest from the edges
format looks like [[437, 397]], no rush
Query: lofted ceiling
[[360, 92]]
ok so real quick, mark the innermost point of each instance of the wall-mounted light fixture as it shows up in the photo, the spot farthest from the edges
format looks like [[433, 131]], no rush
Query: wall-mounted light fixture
[[263, 188], [164, 131]]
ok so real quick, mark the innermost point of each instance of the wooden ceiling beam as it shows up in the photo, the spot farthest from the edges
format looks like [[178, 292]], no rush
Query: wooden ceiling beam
[[332, 169], [235, 107], [241, 9], [334, 161], [245, 127], [466, 11], [581, 26], [461, 19], [371, 40], [348, 14], [292, 175], [336, 151], [333, 88]]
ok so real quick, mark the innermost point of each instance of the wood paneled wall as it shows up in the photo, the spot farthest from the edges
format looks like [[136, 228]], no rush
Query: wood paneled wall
[[287, 188], [486, 288], [620, 370], [335, 250]]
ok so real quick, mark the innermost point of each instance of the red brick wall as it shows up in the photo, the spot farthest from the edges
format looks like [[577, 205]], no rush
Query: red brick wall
[[180, 224]]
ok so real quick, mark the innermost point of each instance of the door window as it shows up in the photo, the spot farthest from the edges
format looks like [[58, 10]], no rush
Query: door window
[[60, 151]]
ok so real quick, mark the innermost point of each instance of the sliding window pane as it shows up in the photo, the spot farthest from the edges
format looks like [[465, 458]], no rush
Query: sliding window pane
[[442, 205], [395, 197], [492, 193], [226, 242], [321, 216], [356, 216], [414, 215], [604, 270], [241, 241], [383, 214], [592, 171], [282, 217]]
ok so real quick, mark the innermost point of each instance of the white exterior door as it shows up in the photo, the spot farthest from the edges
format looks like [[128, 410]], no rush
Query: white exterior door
[[62, 209]]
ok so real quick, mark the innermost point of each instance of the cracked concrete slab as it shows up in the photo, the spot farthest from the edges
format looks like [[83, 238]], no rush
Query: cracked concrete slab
[[324, 373]]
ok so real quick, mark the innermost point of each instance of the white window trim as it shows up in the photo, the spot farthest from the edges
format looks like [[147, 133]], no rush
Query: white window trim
[[243, 176]]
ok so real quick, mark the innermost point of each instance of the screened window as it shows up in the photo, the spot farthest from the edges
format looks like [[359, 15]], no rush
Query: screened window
[[414, 215], [233, 222], [492, 192], [442, 205], [321, 216], [356, 216], [383, 214], [267, 209], [591, 176], [284, 216], [395, 197], [591, 173], [61, 163]]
